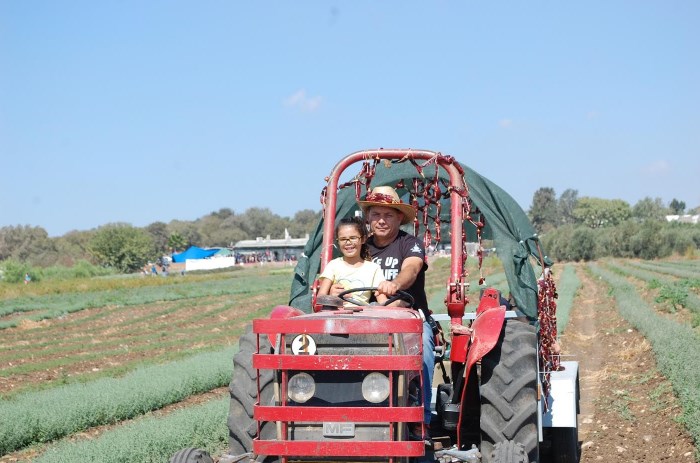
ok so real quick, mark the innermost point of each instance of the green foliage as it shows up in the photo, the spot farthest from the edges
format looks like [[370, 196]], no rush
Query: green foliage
[[647, 242], [543, 214], [27, 244], [566, 205], [13, 271], [597, 212], [177, 242], [650, 209], [48, 415], [583, 244], [159, 234], [630, 239], [122, 246], [81, 269], [571, 243], [674, 295], [677, 207]]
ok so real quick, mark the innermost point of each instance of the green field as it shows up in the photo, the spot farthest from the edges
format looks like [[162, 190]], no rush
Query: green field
[[122, 368]]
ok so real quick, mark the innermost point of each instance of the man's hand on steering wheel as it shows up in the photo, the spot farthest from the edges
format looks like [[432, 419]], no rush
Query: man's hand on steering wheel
[[398, 295]]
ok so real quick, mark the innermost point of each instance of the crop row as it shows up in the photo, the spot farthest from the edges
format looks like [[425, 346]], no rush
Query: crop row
[[672, 293], [150, 439], [58, 305], [675, 345], [567, 288], [47, 415]]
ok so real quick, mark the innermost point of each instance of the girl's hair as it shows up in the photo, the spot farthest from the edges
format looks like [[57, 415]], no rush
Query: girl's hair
[[359, 225]]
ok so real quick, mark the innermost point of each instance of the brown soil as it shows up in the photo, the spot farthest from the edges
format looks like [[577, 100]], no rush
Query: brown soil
[[628, 410]]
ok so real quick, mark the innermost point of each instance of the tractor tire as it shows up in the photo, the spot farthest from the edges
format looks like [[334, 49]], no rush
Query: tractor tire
[[564, 445], [244, 393], [509, 452], [192, 455], [509, 390]]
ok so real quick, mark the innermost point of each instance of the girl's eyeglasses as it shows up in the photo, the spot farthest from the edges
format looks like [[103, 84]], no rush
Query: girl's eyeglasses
[[351, 239]]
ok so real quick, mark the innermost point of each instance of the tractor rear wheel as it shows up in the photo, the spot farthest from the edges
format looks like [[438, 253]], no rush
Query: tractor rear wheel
[[244, 393], [509, 391]]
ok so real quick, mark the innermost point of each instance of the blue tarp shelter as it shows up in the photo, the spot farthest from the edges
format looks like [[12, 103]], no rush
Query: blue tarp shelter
[[193, 252]]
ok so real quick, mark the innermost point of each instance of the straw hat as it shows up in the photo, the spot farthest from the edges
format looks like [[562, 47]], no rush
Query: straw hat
[[386, 196]]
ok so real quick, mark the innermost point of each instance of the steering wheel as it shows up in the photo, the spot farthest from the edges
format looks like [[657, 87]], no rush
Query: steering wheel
[[400, 295]]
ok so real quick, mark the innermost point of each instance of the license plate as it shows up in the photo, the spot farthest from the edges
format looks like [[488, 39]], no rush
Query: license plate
[[339, 429]]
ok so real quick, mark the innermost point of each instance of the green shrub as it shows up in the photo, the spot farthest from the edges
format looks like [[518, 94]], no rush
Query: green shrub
[[675, 295], [13, 271]]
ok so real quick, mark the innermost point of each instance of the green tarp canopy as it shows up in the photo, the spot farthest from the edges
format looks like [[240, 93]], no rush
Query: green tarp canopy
[[507, 225]]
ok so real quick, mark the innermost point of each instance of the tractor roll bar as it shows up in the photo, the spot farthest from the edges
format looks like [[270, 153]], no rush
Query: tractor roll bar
[[456, 295]]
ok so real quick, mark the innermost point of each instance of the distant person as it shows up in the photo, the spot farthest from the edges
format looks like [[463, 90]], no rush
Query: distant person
[[27, 278], [354, 269]]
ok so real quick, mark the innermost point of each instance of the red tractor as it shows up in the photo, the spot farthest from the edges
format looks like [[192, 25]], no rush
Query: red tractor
[[317, 381]]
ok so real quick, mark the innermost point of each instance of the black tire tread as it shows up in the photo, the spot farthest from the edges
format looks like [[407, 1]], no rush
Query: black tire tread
[[508, 452], [244, 393], [509, 390], [191, 455]]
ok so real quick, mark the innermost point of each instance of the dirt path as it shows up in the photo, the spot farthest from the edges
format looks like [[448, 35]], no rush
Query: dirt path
[[628, 410]]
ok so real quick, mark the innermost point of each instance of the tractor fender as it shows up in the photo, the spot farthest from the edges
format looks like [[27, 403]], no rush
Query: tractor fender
[[487, 328]]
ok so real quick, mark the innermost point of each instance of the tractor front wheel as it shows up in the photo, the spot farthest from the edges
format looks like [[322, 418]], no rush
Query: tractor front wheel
[[244, 393], [509, 391]]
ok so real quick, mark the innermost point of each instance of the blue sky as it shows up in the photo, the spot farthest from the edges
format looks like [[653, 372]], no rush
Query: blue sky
[[131, 111]]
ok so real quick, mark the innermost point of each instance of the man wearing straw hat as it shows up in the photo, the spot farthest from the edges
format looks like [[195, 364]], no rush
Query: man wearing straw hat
[[402, 258]]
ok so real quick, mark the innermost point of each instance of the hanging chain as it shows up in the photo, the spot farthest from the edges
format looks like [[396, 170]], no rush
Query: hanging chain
[[547, 313]]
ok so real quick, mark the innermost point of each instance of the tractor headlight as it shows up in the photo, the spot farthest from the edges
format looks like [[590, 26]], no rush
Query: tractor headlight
[[301, 387], [375, 388]]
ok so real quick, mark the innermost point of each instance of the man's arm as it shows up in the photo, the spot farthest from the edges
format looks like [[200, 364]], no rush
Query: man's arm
[[410, 268]]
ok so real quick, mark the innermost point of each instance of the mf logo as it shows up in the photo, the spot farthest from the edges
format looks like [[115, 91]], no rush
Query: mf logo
[[341, 429]]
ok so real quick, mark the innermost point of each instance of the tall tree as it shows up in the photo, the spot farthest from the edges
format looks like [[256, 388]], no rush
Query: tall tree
[[543, 213], [677, 207], [649, 209], [304, 222], [73, 247], [566, 205], [177, 242], [122, 246], [159, 234], [188, 230], [597, 212], [27, 244], [260, 222]]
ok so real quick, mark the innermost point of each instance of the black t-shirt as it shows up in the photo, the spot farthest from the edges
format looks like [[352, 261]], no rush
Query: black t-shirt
[[391, 257]]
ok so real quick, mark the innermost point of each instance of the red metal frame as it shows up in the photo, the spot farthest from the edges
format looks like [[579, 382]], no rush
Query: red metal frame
[[456, 295], [284, 362]]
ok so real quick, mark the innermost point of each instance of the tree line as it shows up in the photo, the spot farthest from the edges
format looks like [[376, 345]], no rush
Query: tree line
[[127, 248], [587, 228], [571, 228]]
